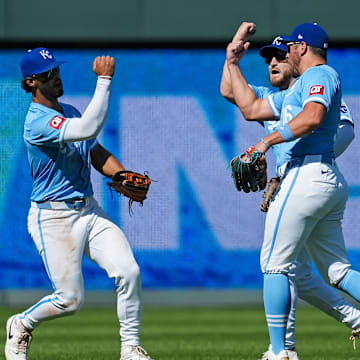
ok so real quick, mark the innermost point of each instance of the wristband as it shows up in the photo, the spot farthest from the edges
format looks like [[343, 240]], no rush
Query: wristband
[[105, 77], [286, 133], [265, 143]]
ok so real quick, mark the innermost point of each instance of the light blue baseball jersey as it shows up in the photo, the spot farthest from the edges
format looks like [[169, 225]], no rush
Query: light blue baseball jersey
[[60, 171], [270, 126], [318, 84]]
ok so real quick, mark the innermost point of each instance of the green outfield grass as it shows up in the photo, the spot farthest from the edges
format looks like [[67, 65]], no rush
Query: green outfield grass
[[184, 334]]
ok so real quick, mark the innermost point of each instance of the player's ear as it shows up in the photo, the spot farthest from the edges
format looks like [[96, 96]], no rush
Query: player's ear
[[303, 47], [30, 81]]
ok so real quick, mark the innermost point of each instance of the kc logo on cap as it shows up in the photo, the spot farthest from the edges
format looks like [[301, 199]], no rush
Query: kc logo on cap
[[37, 61], [45, 54]]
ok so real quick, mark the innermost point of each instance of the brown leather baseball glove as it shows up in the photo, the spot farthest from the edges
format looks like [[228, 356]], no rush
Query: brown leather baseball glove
[[269, 193], [131, 184]]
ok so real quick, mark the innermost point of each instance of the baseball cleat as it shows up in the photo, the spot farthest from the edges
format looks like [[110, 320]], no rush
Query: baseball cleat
[[18, 339], [283, 355], [355, 334], [134, 352]]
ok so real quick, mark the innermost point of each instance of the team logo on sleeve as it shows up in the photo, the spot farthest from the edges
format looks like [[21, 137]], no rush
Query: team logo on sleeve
[[56, 122], [317, 90], [343, 108]]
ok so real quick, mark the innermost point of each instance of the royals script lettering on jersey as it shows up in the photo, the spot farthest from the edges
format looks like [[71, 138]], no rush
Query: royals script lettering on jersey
[[60, 171]]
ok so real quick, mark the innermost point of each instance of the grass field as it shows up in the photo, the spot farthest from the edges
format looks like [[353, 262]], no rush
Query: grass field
[[184, 334]]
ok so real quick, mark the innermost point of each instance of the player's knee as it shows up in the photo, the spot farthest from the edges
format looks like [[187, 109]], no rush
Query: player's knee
[[131, 278], [336, 272], [70, 301], [133, 274]]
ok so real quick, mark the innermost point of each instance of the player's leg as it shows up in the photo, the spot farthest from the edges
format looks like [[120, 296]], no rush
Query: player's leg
[[328, 251], [59, 238], [316, 292], [278, 256], [109, 248], [291, 219]]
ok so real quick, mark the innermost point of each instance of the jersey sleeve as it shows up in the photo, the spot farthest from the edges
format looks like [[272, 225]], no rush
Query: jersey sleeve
[[46, 129], [92, 143], [319, 85], [345, 114], [275, 101]]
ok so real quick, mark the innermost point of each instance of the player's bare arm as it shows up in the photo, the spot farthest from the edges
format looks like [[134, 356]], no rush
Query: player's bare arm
[[245, 98], [104, 162], [303, 124], [244, 33]]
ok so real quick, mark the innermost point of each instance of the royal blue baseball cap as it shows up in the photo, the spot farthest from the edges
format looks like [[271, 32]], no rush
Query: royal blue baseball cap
[[37, 61], [311, 33], [265, 51]]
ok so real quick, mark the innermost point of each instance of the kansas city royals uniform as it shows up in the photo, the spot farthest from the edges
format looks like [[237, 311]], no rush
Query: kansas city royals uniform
[[307, 160], [310, 287], [65, 221], [308, 208]]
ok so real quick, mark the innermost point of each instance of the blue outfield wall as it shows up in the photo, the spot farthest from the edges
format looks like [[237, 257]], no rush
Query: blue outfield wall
[[166, 117]]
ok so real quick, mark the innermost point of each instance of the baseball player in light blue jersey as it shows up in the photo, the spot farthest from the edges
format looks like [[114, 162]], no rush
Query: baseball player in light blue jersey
[[65, 221], [309, 286], [308, 208]]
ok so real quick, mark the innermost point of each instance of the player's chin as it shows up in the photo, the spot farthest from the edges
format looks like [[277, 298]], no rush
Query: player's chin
[[60, 92], [276, 80]]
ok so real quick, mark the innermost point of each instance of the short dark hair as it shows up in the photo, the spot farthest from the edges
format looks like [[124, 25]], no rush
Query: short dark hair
[[26, 87], [318, 51]]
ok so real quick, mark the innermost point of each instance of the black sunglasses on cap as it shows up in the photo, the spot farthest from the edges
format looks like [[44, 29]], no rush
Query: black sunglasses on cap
[[280, 56]]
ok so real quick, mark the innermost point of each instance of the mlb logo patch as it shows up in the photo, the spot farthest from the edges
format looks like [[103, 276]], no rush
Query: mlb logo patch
[[56, 122], [317, 90]]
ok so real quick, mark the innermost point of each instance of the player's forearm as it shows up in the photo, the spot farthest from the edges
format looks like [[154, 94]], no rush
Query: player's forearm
[[112, 166], [225, 86], [104, 162], [93, 119], [301, 125], [245, 98], [344, 136], [243, 33]]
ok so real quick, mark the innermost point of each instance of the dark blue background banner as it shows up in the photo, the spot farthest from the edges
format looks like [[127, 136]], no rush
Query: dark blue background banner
[[167, 117]]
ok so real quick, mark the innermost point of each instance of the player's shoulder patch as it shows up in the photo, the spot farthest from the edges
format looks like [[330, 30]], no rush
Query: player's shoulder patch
[[317, 90], [56, 122], [344, 108]]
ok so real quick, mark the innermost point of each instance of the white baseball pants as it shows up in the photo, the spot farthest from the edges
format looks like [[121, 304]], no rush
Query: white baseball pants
[[62, 236]]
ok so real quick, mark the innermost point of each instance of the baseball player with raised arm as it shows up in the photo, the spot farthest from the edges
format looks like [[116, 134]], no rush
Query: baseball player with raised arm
[[65, 221], [309, 286], [308, 208]]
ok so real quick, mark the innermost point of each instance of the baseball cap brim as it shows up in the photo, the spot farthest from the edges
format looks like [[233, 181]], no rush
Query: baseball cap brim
[[287, 39], [49, 66], [268, 49]]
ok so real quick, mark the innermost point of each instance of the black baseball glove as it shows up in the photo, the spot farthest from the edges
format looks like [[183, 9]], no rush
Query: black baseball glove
[[249, 170]]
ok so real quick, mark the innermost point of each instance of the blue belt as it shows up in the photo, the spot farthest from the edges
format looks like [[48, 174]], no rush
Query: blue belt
[[66, 204], [324, 159], [306, 159]]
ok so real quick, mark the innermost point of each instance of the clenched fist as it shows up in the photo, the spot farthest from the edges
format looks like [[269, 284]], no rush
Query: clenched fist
[[104, 66]]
